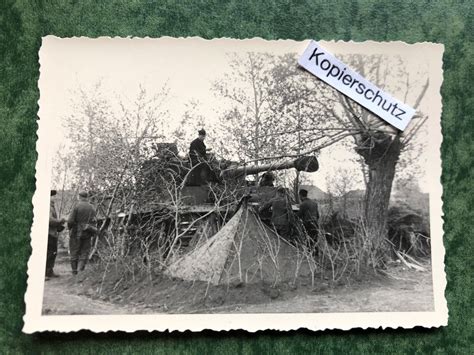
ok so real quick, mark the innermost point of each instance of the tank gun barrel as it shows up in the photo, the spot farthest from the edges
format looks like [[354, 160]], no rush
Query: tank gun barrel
[[306, 163]]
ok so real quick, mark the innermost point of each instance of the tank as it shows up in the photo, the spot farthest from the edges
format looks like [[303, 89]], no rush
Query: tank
[[209, 192], [166, 165]]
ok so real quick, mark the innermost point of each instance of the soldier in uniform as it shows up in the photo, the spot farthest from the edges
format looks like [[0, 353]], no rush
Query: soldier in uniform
[[201, 171], [55, 226], [309, 214], [82, 227], [197, 149], [282, 215], [267, 179]]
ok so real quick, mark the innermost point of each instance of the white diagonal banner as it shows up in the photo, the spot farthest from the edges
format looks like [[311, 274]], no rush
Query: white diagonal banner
[[332, 71]]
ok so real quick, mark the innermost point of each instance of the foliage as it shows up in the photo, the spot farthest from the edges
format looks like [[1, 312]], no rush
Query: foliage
[[246, 88], [24, 22], [278, 110]]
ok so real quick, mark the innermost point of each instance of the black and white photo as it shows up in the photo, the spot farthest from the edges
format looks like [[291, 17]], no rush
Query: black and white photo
[[216, 184]]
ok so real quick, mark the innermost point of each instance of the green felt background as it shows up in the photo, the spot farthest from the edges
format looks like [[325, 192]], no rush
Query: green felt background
[[22, 23]]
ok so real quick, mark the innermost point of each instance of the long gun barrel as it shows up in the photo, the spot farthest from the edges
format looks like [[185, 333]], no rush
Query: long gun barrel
[[307, 163]]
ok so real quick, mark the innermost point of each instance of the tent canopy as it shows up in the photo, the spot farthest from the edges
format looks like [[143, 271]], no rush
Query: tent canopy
[[243, 250]]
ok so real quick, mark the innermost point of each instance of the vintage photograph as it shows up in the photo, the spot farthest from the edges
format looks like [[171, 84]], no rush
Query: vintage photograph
[[181, 177]]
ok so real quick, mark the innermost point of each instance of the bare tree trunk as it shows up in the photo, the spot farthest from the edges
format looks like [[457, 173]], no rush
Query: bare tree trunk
[[381, 155]]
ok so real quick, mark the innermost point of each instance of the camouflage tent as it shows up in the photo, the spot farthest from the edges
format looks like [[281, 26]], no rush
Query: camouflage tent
[[244, 250]]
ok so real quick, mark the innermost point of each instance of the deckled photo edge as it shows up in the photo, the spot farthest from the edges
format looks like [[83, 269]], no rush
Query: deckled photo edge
[[35, 321]]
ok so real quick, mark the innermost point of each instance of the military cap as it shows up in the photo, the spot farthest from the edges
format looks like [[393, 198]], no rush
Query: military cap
[[53, 192], [303, 192], [83, 194]]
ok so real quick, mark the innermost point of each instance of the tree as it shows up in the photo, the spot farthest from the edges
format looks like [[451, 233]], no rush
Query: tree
[[248, 119], [265, 122], [378, 144], [109, 139], [304, 115], [248, 97]]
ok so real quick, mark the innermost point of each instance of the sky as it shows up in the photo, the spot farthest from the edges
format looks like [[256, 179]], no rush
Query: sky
[[188, 67]]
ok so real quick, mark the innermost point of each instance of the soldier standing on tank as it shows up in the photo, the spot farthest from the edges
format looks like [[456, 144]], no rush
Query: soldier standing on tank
[[309, 214], [198, 156], [55, 226], [82, 227], [282, 215], [197, 149]]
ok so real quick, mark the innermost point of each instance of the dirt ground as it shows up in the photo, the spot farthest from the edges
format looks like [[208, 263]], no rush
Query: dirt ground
[[399, 290]]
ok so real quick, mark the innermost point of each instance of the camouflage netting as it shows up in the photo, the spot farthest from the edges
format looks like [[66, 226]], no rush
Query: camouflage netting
[[408, 231], [244, 250]]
